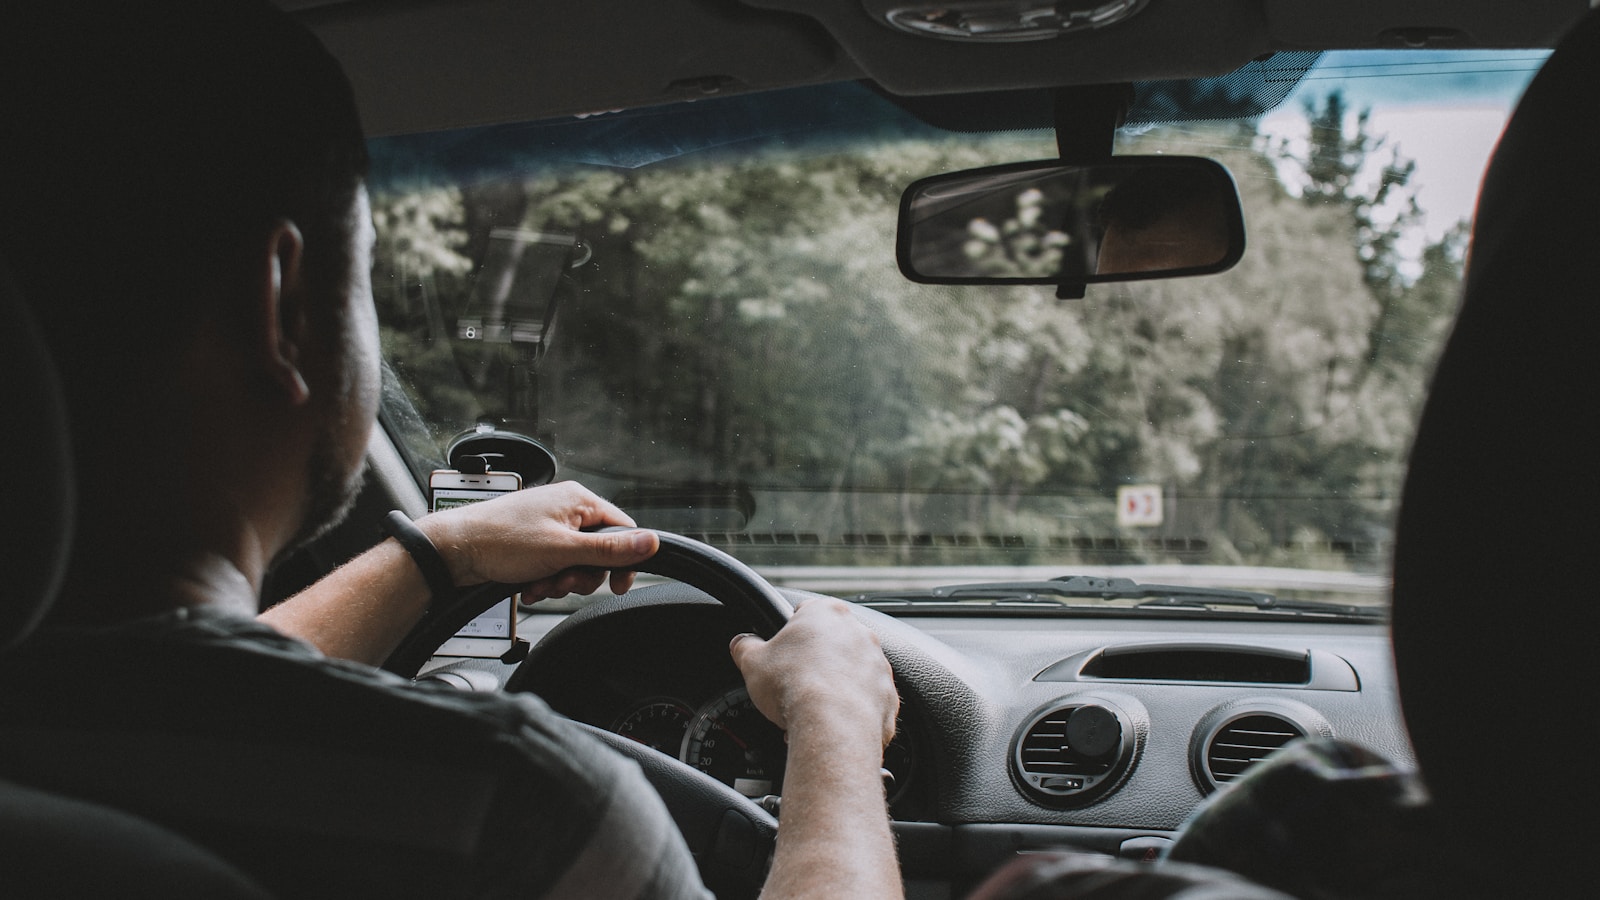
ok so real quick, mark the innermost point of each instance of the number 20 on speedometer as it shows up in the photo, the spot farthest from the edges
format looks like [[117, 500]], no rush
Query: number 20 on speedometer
[[732, 742]]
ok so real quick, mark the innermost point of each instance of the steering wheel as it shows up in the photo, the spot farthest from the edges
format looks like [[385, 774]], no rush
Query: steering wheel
[[730, 837]]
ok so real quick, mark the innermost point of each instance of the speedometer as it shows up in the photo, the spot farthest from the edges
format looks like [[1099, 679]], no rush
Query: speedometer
[[659, 724], [731, 741]]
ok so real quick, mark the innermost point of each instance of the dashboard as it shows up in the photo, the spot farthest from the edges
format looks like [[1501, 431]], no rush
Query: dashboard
[[1016, 733]]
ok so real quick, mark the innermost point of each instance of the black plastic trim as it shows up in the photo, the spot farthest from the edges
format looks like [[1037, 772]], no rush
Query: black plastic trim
[[1209, 664]]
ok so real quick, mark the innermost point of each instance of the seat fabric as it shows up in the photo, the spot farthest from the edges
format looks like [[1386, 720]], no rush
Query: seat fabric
[[1496, 607], [51, 845]]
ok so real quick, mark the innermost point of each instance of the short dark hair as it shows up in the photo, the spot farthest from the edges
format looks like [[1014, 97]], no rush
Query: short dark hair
[[143, 144], [1139, 201]]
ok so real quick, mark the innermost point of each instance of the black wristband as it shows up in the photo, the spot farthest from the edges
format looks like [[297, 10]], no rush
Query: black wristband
[[434, 571]]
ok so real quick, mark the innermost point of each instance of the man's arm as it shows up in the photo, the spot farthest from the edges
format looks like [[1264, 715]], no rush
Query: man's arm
[[824, 680], [363, 609]]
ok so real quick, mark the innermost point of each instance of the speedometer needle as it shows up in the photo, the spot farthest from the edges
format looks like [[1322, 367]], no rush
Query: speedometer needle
[[733, 737]]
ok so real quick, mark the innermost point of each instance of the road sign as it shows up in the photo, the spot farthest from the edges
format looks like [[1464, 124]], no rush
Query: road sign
[[1139, 505]]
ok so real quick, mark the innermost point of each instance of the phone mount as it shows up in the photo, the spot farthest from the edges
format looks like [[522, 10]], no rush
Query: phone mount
[[487, 448]]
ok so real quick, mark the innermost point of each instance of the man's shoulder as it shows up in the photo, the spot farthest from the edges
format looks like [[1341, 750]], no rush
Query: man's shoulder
[[201, 673], [202, 721]]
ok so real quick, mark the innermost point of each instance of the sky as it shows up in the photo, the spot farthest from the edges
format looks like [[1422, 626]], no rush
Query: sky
[[1445, 110]]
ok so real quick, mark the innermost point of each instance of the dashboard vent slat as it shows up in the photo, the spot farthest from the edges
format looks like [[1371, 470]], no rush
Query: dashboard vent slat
[[1246, 741], [1062, 761]]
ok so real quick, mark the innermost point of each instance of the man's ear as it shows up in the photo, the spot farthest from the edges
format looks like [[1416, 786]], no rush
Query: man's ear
[[282, 326]]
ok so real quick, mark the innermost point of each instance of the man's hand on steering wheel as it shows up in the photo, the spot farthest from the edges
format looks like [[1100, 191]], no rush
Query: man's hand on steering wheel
[[820, 674], [823, 663], [532, 537], [823, 679]]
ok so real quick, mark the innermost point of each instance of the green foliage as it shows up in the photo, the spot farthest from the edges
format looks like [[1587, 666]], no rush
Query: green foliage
[[1379, 213], [1021, 246], [743, 322]]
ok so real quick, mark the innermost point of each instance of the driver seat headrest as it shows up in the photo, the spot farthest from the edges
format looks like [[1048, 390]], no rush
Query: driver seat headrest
[[39, 524], [1496, 608], [55, 845]]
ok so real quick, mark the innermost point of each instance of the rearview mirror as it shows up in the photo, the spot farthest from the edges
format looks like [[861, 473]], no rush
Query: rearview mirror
[[1121, 219]]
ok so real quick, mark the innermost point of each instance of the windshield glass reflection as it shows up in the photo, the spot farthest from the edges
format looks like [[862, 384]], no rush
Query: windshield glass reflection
[[722, 336]]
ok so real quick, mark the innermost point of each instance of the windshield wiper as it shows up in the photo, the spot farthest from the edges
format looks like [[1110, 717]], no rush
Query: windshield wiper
[[1049, 595]]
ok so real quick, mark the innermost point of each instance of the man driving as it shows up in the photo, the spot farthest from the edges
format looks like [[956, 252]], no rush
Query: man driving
[[1162, 220], [185, 214]]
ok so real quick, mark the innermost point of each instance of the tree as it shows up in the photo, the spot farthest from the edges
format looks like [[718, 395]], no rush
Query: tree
[[1380, 213], [1413, 314], [743, 321]]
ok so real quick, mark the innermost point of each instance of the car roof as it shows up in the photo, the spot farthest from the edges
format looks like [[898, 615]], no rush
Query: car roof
[[420, 65]]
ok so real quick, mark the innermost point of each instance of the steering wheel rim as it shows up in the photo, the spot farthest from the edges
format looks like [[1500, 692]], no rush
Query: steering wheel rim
[[730, 837], [757, 603]]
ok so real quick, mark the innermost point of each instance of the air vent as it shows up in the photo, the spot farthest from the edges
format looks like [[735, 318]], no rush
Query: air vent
[[1232, 739], [1244, 742], [1071, 755]]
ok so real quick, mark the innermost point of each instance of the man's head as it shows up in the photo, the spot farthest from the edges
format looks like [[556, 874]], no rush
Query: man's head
[[182, 186], [1163, 219]]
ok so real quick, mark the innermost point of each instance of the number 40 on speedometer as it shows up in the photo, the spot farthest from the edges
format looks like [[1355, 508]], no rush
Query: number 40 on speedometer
[[731, 741]]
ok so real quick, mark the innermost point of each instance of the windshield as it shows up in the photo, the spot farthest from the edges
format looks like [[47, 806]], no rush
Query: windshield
[[697, 309]]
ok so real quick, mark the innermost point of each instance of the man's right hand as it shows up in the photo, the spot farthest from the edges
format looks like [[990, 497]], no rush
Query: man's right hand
[[823, 663], [824, 680]]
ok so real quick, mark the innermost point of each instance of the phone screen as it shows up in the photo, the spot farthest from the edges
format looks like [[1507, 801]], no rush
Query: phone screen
[[492, 632]]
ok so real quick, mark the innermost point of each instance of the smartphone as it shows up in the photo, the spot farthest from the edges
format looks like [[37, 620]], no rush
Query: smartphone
[[494, 632]]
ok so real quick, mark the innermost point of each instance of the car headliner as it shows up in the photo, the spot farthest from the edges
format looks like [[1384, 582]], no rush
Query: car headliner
[[421, 65]]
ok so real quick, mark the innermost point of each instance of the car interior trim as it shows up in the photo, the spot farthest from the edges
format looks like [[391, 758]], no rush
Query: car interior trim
[[1203, 663]]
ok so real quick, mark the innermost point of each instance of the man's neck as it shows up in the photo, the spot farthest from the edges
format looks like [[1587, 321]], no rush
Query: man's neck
[[216, 582], [92, 597]]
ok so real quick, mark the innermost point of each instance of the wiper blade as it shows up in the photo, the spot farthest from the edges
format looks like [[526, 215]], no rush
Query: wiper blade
[[1074, 586], [1050, 593]]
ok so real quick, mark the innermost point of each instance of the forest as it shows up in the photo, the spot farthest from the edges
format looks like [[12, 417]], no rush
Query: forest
[[737, 324]]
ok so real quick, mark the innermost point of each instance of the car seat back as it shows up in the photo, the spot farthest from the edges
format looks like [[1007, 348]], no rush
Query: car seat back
[[1496, 607], [51, 845], [38, 526]]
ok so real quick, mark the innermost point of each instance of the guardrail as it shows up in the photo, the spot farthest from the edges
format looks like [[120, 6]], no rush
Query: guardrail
[[844, 580]]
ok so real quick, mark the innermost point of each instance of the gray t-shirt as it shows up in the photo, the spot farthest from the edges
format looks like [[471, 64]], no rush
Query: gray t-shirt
[[323, 778]]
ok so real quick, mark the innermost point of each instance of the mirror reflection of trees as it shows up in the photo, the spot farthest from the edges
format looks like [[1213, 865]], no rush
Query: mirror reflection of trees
[[1022, 244], [745, 322]]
